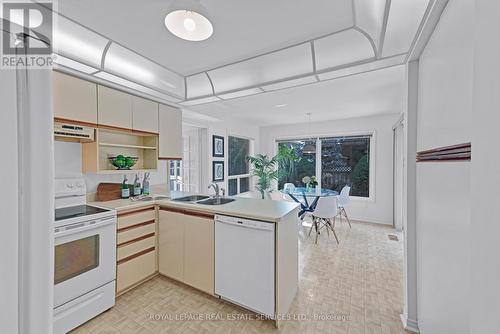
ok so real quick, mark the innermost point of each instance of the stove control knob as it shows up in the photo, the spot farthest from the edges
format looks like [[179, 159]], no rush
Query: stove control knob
[[70, 185], [79, 185]]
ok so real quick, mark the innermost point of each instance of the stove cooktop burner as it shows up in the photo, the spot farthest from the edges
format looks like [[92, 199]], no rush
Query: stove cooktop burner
[[77, 211]]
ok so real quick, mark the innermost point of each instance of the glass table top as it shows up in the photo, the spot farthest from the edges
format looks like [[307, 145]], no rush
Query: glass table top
[[316, 192]]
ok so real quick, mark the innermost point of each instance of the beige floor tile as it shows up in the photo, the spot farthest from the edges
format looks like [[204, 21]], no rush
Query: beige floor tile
[[351, 288]]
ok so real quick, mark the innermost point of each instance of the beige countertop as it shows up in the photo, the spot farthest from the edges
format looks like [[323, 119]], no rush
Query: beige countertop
[[266, 210]]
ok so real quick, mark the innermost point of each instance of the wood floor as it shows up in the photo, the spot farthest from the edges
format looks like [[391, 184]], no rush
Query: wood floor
[[354, 287]]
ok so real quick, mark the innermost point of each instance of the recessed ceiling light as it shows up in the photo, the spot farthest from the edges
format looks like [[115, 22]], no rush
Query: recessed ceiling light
[[281, 105], [188, 19]]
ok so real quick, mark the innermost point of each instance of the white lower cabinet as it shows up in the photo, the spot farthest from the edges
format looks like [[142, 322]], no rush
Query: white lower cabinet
[[136, 248], [171, 244], [186, 247]]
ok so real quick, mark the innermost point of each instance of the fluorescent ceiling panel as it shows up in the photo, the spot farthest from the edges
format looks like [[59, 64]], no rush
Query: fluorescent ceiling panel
[[370, 17], [128, 64], [66, 62], [135, 86], [402, 25], [379, 64], [200, 101], [340, 49], [270, 67], [78, 43], [290, 83], [198, 85], [240, 93]]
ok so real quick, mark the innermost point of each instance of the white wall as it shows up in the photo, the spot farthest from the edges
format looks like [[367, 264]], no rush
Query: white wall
[[485, 226], [443, 189], [68, 164], [234, 127], [379, 209], [9, 240]]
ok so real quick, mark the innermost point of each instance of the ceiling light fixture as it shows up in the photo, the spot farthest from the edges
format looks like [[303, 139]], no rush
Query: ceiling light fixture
[[281, 105], [188, 19], [309, 148]]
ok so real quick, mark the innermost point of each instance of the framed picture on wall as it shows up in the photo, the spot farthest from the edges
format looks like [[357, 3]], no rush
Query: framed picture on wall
[[217, 146], [218, 171]]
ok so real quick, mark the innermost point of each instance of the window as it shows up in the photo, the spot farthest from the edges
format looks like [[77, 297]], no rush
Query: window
[[175, 175], [304, 166], [185, 175], [238, 167], [346, 161], [338, 161]]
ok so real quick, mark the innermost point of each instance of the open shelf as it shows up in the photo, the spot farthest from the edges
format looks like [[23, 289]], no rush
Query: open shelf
[[129, 146], [111, 143]]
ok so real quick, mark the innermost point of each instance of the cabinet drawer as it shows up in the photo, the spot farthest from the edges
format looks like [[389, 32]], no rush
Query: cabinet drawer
[[135, 270], [135, 247], [130, 219], [136, 232]]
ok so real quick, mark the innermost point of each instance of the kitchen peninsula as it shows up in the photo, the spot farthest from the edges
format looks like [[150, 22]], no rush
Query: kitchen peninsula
[[209, 247]]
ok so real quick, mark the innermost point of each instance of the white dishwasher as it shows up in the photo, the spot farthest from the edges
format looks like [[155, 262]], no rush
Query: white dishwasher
[[244, 263]]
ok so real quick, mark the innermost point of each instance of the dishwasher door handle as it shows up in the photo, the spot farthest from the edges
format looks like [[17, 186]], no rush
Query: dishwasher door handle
[[240, 223]]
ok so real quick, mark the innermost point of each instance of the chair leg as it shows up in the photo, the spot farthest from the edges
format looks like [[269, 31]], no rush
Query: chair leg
[[317, 232], [327, 224], [345, 214], [312, 225], [335, 235]]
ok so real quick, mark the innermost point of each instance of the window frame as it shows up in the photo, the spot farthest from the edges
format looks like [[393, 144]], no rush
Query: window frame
[[251, 152], [317, 136]]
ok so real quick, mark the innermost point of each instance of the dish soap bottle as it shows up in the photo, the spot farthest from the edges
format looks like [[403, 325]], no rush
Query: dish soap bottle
[[137, 186], [145, 184], [125, 188]]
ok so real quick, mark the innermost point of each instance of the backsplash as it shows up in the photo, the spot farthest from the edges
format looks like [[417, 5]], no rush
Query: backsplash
[[68, 163]]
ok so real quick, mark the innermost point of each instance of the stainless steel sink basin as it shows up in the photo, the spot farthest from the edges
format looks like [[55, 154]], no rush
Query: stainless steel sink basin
[[192, 198], [216, 201], [145, 198]]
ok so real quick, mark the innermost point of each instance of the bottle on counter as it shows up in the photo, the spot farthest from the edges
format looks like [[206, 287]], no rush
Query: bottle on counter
[[137, 186], [145, 184], [125, 188]]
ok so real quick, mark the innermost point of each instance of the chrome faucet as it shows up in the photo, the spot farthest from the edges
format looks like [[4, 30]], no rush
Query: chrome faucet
[[216, 189]]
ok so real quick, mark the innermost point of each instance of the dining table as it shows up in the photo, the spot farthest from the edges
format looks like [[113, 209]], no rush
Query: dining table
[[314, 194]]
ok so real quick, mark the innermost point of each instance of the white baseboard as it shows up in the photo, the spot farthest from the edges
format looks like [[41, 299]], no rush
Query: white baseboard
[[409, 324]]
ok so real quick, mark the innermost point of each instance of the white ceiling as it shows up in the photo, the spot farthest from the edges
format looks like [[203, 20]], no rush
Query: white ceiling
[[371, 93], [275, 40], [242, 28]]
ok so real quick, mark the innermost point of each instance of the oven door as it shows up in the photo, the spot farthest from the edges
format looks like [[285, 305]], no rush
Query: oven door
[[85, 258]]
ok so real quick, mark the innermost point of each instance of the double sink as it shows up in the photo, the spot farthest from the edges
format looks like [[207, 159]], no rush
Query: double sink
[[205, 200]]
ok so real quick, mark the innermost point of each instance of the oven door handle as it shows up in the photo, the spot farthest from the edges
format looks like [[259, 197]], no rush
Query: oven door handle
[[85, 226]]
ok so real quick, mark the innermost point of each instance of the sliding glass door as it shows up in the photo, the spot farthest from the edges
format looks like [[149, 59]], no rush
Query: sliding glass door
[[337, 162]]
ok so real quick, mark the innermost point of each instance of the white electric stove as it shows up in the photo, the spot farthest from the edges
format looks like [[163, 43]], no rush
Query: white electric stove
[[85, 257]]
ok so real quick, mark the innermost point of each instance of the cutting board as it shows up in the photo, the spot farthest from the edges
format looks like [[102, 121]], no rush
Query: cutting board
[[111, 191]]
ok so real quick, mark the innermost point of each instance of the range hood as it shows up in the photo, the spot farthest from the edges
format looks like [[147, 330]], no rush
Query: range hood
[[74, 133]]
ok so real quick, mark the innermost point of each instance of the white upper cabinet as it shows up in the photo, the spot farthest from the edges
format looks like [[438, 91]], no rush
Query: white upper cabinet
[[74, 99], [114, 108], [144, 115], [170, 126]]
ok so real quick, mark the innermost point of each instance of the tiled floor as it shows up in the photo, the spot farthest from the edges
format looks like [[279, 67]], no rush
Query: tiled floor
[[354, 287]]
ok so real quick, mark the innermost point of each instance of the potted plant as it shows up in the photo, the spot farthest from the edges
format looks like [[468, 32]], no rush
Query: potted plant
[[310, 182], [264, 168]]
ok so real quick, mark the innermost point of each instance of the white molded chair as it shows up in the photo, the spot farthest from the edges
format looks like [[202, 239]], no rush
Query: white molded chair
[[290, 187], [324, 216], [342, 203]]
